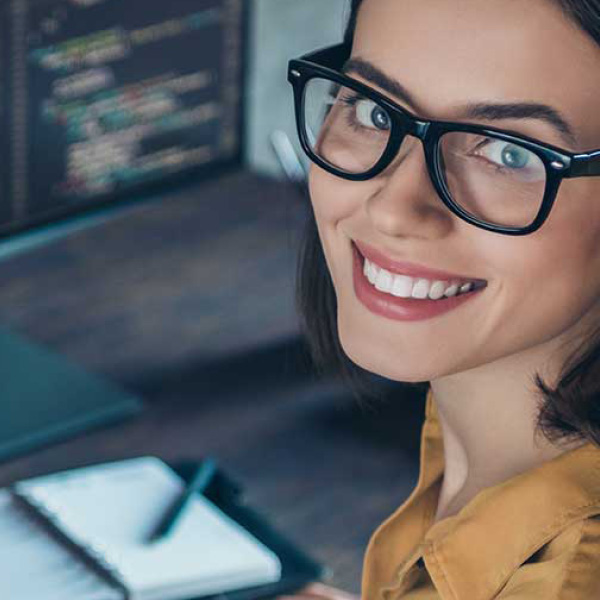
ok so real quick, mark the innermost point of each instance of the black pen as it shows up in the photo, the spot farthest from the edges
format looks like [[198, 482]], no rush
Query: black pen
[[199, 482]]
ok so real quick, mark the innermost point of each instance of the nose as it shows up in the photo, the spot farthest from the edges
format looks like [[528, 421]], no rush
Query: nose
[[405, 203]]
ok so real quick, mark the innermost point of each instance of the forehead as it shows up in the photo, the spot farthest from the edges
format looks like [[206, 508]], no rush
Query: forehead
[[448, 53]]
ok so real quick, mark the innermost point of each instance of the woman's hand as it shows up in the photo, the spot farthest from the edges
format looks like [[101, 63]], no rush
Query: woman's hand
[[319, 591]]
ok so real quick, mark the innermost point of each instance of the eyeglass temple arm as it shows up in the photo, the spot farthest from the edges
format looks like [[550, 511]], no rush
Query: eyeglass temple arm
[[586, 164]]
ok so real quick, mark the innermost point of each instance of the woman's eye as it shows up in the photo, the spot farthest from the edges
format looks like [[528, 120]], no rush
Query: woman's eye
[[371, 115], [507, 155]]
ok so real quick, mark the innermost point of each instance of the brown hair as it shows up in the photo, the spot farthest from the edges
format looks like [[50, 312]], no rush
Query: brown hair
[[570, 410]]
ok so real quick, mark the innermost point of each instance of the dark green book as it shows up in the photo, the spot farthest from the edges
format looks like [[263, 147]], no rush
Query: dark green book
[[46, 399]]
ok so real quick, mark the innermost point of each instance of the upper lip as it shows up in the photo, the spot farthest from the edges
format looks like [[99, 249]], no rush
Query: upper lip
[[407, 268]]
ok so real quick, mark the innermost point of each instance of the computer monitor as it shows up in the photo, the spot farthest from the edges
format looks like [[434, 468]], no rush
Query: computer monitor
[[103, 103]]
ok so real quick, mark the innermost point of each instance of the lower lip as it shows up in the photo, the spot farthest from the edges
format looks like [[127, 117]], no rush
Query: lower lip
[[401, 309]]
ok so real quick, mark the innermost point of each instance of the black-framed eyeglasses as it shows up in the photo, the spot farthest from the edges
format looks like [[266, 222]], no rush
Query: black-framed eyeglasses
[[489, 177]]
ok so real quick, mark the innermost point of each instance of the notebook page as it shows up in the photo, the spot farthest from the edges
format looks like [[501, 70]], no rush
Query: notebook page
[[113, 508], [33, 565]]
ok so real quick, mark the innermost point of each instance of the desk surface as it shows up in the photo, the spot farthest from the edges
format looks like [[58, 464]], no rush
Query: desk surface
[[189, 303]]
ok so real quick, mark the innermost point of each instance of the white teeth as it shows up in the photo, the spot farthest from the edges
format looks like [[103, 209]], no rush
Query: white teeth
[[372, 272], [384, 281], [403, 286], [421, 289], [437, 290], [451, 291]]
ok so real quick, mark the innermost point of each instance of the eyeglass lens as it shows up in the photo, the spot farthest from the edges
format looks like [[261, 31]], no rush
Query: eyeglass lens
[[494, 180]]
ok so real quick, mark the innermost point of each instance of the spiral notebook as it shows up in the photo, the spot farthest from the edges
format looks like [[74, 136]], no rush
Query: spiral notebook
[[82, 534]]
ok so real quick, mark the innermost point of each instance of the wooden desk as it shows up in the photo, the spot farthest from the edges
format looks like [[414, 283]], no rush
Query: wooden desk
[[189, 303]]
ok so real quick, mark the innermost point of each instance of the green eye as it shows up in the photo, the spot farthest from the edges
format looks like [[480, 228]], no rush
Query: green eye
[[515, 157]]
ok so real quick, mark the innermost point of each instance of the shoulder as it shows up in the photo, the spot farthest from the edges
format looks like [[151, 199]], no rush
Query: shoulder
[[567, 567]]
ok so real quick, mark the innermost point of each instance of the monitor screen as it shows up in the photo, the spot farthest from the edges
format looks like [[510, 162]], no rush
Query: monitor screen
[[104, 99]]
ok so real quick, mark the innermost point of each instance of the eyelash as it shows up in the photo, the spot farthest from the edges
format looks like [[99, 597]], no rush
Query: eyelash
[[352, 100]]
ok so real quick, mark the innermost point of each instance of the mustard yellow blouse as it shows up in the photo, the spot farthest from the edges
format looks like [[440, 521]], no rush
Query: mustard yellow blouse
[[535, 536]]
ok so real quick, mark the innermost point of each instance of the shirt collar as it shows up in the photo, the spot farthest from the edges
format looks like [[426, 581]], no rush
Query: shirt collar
[[391, 549], [472, 554]]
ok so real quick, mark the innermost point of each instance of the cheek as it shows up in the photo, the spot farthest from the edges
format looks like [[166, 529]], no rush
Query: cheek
[[549, 280], [331, 196], [570, 244], [334, 202]]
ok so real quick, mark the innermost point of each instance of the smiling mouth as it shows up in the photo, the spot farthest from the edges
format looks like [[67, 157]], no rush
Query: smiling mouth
[[406, 281]]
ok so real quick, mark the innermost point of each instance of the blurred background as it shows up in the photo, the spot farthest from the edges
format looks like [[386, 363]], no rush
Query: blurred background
[[149, 238], [282, 30]]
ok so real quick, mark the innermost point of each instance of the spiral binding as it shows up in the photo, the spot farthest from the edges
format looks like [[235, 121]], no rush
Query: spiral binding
[[97, 556]]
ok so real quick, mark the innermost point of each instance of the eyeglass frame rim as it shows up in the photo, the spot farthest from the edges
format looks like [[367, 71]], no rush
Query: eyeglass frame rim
[[559, 163]]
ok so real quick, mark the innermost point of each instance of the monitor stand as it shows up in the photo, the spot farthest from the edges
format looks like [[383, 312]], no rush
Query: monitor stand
[[45, 399]]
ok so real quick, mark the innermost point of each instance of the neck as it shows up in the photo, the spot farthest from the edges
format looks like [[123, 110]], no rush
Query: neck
[[488, 421]]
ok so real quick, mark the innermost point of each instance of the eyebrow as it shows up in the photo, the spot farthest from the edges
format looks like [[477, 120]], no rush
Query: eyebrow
[[478, 110]]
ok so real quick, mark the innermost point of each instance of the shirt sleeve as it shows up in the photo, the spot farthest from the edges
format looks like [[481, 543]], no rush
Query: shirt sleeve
[[566, 568]]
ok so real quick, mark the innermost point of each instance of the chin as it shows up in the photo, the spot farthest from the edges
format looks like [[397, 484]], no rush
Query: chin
[[394, 367]]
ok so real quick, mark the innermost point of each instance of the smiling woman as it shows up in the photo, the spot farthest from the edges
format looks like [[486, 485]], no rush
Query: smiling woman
[[455, 246]]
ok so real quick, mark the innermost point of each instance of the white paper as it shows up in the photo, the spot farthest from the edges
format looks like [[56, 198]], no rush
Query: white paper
[[113, 508]]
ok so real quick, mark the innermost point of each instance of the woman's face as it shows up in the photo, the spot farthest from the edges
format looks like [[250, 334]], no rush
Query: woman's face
[[542, 288]]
